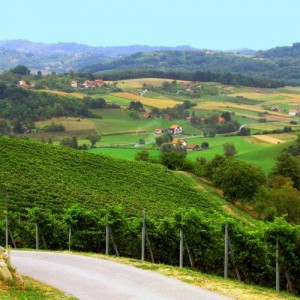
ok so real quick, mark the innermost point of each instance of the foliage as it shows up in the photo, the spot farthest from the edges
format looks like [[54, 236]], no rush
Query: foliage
[[94, 138], [288, 166], [26, 105], [229, 150], [4, 127], [136, 105], [185, 65], [244, 131], [238, 180], [54, 128], [21, 70], [279, 200], [142, 155]]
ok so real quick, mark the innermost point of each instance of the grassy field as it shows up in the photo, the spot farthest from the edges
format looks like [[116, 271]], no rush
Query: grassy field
[[259, 150]]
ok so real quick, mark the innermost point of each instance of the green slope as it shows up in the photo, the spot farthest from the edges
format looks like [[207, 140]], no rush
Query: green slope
[[54, 177]]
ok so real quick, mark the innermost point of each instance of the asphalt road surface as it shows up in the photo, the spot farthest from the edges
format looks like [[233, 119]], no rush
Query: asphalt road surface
[[92, 278]]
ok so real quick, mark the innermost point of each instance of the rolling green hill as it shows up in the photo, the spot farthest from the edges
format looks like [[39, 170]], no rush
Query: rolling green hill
[[54, 177]]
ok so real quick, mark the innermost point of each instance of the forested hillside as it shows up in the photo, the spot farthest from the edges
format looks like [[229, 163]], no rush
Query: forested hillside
[[278, 64]]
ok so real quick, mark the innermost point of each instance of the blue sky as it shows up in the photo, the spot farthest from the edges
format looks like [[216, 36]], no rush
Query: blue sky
[[209, 24]]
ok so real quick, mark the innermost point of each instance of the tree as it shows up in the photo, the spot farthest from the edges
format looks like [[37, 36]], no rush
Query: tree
[[238, 180], [205, 145], [172, 157], [282, 200], [142, 155], [4, 127], [165, 138], [21, 70], [288, 166], [94, 138], [229, 150], [211, 166], [244, 131], [69, 142], [226, 115], [173, 160]]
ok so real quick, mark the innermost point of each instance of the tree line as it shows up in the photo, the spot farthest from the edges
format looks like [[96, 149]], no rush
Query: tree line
[[204, 76]]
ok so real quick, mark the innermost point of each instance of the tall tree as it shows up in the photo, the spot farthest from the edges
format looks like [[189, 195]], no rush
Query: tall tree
[[229, 149], [238, 180], [288, 166]]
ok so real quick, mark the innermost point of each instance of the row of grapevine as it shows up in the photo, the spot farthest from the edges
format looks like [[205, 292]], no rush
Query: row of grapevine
[[254, 249]]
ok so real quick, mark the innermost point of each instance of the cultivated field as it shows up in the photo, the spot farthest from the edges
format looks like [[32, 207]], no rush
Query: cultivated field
[[159, 103]]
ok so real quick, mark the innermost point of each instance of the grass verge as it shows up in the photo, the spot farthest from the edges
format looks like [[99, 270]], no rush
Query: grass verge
[[34, 290]]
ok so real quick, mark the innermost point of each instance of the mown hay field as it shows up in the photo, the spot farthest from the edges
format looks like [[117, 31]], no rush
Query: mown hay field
[[64, 94], [139, 82], [158, 103], [70, 123]]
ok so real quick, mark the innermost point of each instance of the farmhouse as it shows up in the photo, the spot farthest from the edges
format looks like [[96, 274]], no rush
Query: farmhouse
[[180, 143], [74, 84], [192, 147], [22, 83], [175, 129], [293, 112], [89, 83], [158, 131], [98, 82]]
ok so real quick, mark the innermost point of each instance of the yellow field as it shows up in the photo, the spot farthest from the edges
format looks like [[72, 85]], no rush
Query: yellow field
[[138, 83], [268, 139], [210, 105], [70, 123], [269, 96], [77, 95], [158, 103]]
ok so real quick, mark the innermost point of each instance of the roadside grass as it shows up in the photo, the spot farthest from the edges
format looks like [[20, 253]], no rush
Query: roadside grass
[[227, 287], [34, 290]]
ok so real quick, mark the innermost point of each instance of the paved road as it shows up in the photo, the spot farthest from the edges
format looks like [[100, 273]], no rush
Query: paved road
[[92, 278]]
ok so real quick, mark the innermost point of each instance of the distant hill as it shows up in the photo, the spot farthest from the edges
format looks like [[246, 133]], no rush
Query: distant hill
[[62, 57], [278, 64]]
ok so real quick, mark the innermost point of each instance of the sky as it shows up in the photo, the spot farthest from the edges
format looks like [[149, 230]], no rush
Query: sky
[[203, 24]]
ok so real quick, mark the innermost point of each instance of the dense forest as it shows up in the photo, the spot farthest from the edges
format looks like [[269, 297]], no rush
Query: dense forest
[[225, 78], [277, 64]]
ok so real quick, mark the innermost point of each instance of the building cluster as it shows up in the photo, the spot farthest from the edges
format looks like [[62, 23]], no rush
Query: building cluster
[[87, 83]]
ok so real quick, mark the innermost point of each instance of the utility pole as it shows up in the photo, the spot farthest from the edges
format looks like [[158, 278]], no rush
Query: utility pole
[[107, 237], [143, 237], [226, 252]]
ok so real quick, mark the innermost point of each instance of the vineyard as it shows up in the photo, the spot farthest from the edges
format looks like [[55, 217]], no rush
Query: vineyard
[[53, 191], [53, 177]]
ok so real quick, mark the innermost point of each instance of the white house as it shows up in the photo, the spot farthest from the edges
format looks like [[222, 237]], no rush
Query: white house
[[74, 84], [293, 112], [175, 129]]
